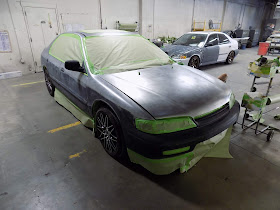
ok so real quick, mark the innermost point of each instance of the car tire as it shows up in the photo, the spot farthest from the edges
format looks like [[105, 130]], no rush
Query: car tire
[[194, 62], [108, 131], [270, 135], [230, 58], [49, 83]]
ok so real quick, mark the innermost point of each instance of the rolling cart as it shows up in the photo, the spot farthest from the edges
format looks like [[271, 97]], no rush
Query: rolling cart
[[255, 102], [263, 68]]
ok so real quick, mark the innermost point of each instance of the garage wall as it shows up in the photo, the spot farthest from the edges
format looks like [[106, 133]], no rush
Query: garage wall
[[125, 11], [172, 18], [233, 14], [10, 61], [208, 9], [156, 18]]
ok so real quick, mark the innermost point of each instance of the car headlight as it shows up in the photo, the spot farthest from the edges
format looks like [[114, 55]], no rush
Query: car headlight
[[231, 100], [179, 57], [164, 125]]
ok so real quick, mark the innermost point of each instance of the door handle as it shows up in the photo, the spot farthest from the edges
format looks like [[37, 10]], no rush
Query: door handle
[[229, 46], [62, 69]]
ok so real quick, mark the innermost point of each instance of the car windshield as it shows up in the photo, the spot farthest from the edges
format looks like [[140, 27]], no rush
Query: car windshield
[[118, 53], [191, 40]]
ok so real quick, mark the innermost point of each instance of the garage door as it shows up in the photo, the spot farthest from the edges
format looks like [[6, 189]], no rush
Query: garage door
[[42, 27]]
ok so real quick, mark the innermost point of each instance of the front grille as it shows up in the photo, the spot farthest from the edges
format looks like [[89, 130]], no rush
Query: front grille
[[213, 117]]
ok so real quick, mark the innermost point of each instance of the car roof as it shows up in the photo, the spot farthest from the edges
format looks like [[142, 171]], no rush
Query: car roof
[[205, 32], [101, 32]]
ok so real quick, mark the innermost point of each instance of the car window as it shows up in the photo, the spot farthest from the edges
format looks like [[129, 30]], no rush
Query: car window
[[213, 39], [223, 39], [67, 47], [191, 39]]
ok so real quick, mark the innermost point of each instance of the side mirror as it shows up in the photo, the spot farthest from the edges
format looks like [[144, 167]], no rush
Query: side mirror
[[74, 65]]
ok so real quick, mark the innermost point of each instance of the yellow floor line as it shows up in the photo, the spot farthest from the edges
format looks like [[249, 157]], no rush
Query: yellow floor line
[[64, 127], [77, 154], [30, 83]]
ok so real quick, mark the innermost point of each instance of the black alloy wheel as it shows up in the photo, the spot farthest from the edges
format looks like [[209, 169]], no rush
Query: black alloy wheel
[[108, 131], [49, 84]]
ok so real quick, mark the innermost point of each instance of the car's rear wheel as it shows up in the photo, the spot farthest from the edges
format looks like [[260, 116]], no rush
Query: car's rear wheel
[[108, 131], [230, 57], [49, 84], [194, 62]]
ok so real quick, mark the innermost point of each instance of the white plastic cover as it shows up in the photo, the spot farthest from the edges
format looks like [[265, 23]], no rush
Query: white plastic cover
[[67, 47], [117, 53]]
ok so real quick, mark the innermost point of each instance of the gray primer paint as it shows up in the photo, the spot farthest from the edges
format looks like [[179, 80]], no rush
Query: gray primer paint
[[159, 92]]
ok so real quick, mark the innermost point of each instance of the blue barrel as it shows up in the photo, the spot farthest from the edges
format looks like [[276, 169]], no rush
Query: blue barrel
[[243, 46]]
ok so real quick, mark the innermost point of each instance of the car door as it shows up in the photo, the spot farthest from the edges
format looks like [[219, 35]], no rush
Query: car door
[[76, 83], [211, 50], [73, 84], [224, 47]]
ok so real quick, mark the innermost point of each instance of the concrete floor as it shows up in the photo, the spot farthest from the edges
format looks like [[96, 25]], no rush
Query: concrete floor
[[37, 173]]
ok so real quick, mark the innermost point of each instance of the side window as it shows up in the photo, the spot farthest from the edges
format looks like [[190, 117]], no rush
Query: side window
[[67, 47], [212, 40], [223, 39]]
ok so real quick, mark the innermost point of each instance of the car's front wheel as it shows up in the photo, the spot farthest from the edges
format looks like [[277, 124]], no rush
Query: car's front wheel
[[230, 57], [49, 83], [108, 131], [194, 62]]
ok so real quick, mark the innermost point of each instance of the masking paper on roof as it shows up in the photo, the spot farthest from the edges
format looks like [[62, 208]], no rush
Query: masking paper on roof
[[111, 54]]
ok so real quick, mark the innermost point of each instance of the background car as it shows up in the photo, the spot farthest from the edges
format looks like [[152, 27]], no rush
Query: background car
[[202, 48], [140, 100]]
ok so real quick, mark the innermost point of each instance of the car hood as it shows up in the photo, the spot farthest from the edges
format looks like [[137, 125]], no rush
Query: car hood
[[172, 90], [173, 50]]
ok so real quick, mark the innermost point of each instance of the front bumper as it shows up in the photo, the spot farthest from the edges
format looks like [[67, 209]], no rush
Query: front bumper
[[216, 146], [153, 145]]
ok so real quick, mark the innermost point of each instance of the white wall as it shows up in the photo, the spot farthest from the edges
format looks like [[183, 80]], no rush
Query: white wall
[[11, 61], [208, 9], [232, 15], [172, 18], [125, 11], [158, 18], [147, 22]]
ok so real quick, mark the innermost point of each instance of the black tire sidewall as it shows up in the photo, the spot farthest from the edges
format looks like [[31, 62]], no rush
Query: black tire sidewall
[[115, 122], [270, 135], [51, 92], [227, 61], [189, 64]]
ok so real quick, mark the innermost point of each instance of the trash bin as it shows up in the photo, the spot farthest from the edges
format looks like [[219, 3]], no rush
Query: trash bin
[[263, 48], [243, 46]]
